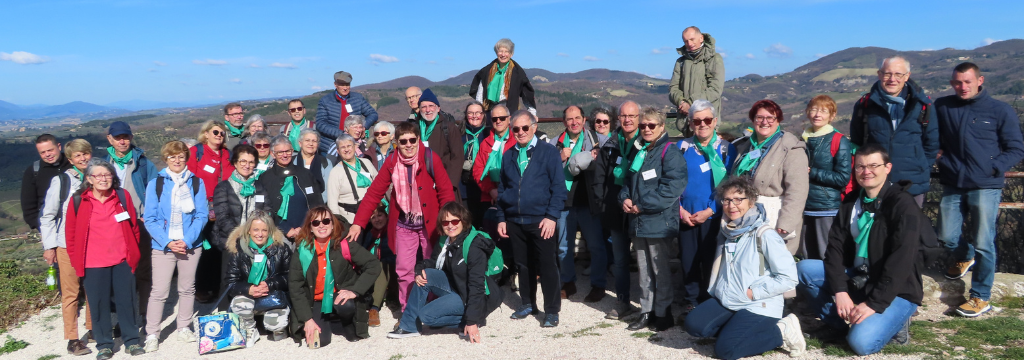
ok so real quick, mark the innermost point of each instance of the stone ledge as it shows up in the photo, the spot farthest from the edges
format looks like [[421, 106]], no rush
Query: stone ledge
[[954, 292]]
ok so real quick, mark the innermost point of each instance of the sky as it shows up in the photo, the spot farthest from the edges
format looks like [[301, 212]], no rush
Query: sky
[[98, 51]]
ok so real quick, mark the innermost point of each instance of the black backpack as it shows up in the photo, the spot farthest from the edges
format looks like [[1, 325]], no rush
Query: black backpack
[[160, 186]]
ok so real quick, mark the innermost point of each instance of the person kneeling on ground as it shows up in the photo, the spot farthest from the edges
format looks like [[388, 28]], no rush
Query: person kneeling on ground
[[871, 262], [456, 276], [326, 287], [752, 269], [257, 277]]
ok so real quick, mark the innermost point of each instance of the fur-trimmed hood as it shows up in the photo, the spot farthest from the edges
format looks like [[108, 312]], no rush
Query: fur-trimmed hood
[[277, 238]]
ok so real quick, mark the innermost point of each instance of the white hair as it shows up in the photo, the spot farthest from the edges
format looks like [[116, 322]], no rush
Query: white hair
[[701, 105], [895, 58]]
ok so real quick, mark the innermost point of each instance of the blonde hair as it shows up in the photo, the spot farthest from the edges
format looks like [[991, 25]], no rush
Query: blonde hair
[[175, 147], [77, 145], [207, 126]]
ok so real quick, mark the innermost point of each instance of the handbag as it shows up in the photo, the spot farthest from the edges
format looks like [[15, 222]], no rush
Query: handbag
[[218, 332], [275, 300]]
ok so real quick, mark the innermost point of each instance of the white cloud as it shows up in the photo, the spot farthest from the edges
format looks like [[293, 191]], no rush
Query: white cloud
[[253, 66], [159, 63], [317, 88], [989, 41], [24, 58], [236, 80], [210, 62], [661, 50], [590, 58], [819, 55], [378, 58], [562, 55], [927, 49], [749, 56], [778, 50], [282, 65], [311, 80]]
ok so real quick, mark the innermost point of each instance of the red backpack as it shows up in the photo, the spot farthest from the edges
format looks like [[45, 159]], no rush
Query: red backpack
[[851, 185]]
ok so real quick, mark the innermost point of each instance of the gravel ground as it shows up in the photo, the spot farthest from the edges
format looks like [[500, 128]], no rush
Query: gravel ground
[[582, 334]]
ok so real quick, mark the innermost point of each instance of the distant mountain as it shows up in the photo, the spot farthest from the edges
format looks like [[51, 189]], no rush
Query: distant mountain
[[138, 105], [399, 83], [10, 111], [466, 78]]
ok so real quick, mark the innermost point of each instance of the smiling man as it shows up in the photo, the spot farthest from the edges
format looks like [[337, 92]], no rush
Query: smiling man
[[297, 112], [234, 120], [336, 106], [443, 135], [38, 175]]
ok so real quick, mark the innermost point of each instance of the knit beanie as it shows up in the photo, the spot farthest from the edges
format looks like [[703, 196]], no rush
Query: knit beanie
[[429, 96]]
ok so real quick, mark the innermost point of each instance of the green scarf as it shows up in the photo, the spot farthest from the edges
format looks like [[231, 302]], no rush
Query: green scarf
[[493, 166], [248, 187], [425, 131], [307, 255], [747, 163], [235, 132], [523, 159], [718, 169], [864, 223], [121, 161], [361, 180], [258, 273], [287, 190], [575, 150], [473, 145], [619, 172], [638, 160], [293, 134], [81, 176], [497, 84]]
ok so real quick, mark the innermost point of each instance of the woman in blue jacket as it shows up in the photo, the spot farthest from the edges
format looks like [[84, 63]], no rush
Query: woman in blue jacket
[[175, 216]]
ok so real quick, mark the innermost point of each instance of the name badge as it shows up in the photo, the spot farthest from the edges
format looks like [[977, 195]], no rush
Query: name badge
[[755, 154], [649, 174], [259, 198], [259, 258], [618, 160], [309, 189], [730, 247], [426, 143], [262, 167], [209, 169], [497, 146], [348, 108], [705, 167], [121, 217]]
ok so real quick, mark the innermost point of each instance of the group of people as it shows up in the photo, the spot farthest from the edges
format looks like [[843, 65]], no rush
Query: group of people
[[308, 233]]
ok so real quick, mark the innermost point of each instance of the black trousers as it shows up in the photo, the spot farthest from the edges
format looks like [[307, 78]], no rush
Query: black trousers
[[115, 283], [340, 322], [536, 256]]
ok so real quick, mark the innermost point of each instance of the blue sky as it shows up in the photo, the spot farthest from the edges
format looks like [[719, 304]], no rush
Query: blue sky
[[53, 52]]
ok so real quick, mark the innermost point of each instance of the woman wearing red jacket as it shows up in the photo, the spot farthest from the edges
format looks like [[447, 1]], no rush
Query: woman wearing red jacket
[[421, 186], [103, 244], [485, 169], [210, 161]]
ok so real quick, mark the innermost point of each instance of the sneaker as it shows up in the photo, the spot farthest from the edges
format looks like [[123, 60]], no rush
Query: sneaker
[[550, 320], [902, 337], [374, 318], [523, 311], [186, 335], [152, 343], [252, 335], [595, 295], [974, 307], [134, 350], [959, 269], [402, 334], [104, 354], [621, 311], [277, 335], [77, 348], [792, 338]]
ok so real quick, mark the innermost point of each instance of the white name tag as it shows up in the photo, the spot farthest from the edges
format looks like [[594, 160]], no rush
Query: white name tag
[[209, 169], [497, 146], [121, 217], [259, 258], [262, 167], [259, 198], [426, 143], [755, 154], [705, 167], [649, 174], [730, 247], [309, 189], [618, 160], [348, 108]]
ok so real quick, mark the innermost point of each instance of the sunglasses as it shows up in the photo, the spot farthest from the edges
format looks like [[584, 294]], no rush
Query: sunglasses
[[707, 121], [499, 118], [648, 126], [316, 223], [602, 122], [408, 141], [261, 146], [516, 129], [455, 222], [294, 110], [217, 132], [381, 133]]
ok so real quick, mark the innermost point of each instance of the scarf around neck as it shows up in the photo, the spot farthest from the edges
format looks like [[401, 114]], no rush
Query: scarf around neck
[[235, 131], [747, 224], [809, 131], [362, 181], [307, 256], [293, 134], [619, 171], [248, 186], [472, 145], [407, 197], [121, 161], [575, 150], [287, 191], [754, 155], [713, 158], [498, 84], [258, 273], [865, 221], [493, 167], [181, 203]]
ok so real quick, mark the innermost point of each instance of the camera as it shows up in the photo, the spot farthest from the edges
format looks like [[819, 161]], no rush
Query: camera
[[860, 277]]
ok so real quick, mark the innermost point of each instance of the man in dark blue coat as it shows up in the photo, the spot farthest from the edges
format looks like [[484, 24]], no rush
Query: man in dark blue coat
[[897, 115], [338, 105], [981, 140]]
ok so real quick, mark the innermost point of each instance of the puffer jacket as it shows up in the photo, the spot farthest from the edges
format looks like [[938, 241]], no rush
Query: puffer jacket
[[228, 207], [912, 149], [459, 270], [829, 175], [606, 192], [278, 254], [655, 189], [698, 78], [981, 140], [328, 116]]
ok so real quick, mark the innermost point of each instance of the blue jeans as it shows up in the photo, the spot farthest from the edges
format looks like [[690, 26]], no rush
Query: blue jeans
[[983, 207], [620, 255], [740, 333], [871, 335], [579, 217], [444, 311]]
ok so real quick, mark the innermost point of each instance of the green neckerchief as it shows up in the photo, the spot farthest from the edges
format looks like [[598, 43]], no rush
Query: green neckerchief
[[307, 255], [747, 163], [425, 131], [258, 273], [248, 187], [523, 158], [121, 161], [497, 84], [714, 160], [864, 223], [619, 171], [638, 160], [361, 180], [257, 172], [81, 176], [575, 149], [473, 145], [287, 190], [493, 166], [235, 131], [293, 134]]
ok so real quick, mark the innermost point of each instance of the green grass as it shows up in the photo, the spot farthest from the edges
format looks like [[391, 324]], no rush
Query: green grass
[[396, 357], [642, 334], [12, 345], [49, 357]]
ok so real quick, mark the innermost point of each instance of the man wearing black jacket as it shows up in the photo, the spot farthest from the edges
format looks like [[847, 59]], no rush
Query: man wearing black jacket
[[38, 175], [304, 194], [871, 261]]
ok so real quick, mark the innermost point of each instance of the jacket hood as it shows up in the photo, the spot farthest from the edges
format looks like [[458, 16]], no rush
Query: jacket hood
[[233, 239], [707, 50]]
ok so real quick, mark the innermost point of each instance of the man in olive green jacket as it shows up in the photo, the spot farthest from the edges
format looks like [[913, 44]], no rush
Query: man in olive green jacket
[[698, 73]]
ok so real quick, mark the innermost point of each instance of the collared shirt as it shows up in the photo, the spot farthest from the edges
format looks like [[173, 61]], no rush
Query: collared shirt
[[533, 143]]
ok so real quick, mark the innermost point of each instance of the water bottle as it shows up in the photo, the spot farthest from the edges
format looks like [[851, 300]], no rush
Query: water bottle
[[51, 278]]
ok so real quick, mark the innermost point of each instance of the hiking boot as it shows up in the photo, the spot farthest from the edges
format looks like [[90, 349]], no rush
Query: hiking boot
[[185, 335], [902, 337], [134, 350], [374, 318], [402, 334], [622, 310], [595, 295], [105, 354], [524, 311], [77, 348], [662, 323], [959, 269], [568, 289], [974, 307], [792, 338], [550, 320], [152, 343]]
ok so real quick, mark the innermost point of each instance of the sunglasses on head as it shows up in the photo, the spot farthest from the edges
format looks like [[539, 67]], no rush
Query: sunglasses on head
[[316, 223], [381, 133], [698, 122], [408, 141], [294, 110], [216, 132], [517, 129], [499, 118], [455, 222], [602, 122], [648, 126]]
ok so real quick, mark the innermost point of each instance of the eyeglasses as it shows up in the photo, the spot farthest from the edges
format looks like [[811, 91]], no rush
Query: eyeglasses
[[295, 110], [631, 117], [417, 96], [602, 122], [216, 132], [897, 76], [765, 119], [261, 146], [381, 133], [176, 158], [649, 126], [706, 121], [246, 162], [517, 129], [475, 113], [455, 222], [102, 176], [872, 167], [499, 118], [408, 141], [282, 152], [316, 223], [236, 114], [735, 201]]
